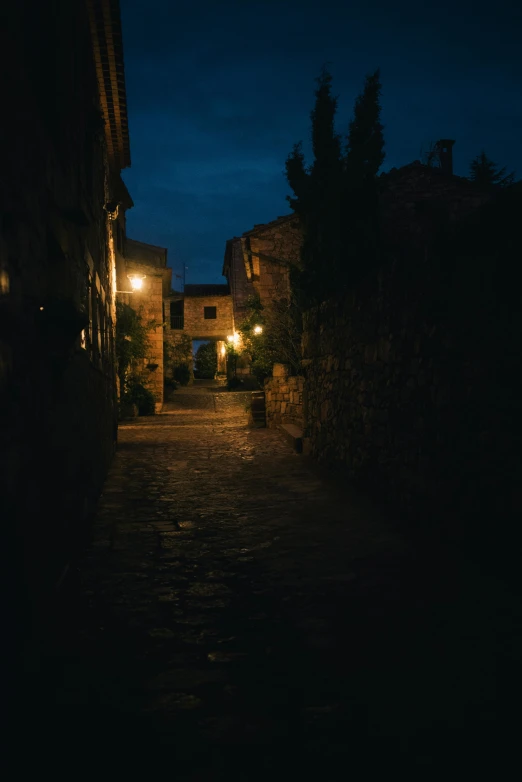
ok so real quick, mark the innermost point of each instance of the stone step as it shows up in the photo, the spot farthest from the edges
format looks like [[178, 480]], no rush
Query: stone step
[[294, 434]]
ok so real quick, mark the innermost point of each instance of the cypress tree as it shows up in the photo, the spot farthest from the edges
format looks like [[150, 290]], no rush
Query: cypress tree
[[484, 171], [363, 158], [317, 192], [336, 197], [365, 143]]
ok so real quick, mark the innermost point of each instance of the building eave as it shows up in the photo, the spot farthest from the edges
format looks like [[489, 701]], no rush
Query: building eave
[[106, 34], [260, 227]]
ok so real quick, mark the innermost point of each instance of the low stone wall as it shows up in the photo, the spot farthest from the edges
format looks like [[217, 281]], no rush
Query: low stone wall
[[284, 398]]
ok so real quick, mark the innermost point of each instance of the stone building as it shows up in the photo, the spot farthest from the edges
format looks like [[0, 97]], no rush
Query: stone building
[[149, 264], [204, 312], [258, 262], [416, 200], [62, 152]]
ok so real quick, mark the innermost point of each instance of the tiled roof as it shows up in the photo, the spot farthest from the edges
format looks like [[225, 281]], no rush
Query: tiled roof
[[105, 23], [207, 290], [277, 221]]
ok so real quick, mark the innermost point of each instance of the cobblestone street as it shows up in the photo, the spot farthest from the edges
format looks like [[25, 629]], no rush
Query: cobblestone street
[[243, 615]]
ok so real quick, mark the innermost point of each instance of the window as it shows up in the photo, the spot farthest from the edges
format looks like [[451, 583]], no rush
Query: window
[[209, 313], [176, 315]]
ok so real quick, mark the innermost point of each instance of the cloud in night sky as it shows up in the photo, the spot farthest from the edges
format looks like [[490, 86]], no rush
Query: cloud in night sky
[[219, 92]]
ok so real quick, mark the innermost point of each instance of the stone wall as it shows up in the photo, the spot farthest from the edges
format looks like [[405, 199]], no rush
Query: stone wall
[[57, 380], [410, 382], [270, 251], [284, 398], [148, 254], [259, 262], [173, 339], [200, 327], [149, 303]]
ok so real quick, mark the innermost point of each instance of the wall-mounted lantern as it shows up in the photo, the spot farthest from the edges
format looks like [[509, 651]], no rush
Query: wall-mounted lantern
[[112, 208], [136, 281]]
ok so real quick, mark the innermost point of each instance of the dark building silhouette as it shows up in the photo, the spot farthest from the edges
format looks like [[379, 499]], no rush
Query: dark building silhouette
[[64, 141]]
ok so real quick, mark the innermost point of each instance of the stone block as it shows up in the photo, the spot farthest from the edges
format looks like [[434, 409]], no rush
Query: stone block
[[294, 435], [280, 370]]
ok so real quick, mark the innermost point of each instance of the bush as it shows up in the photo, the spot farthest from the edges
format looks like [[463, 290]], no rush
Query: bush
[[132, 342], [235, 384], [142, 397], [170, 385], [182, 374]]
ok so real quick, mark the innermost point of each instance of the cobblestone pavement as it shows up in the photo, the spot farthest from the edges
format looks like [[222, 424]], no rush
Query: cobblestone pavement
[[240, 615]]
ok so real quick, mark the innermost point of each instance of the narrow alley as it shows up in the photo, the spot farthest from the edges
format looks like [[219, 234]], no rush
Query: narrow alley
[[245, 616]]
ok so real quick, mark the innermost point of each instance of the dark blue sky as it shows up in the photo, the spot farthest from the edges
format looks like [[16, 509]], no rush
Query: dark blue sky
[[218, 92]]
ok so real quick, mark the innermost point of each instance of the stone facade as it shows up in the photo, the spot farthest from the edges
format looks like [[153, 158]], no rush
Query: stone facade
[[173, 338], [410, 384], [151, 262], [203, 312], [258, 262], [284, 398], [201, 327], [57, 291]]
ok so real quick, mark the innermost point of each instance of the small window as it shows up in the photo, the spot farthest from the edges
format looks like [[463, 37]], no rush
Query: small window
[[209, 313]]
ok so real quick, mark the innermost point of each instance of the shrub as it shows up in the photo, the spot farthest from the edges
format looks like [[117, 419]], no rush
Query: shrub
[[140, 396], [132, 342], [234, 384], [177, 356], [182, 374]]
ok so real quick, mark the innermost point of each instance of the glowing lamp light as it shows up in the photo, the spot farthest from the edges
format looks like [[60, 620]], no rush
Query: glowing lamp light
[[230, 338], [136, 281], [258, 329]]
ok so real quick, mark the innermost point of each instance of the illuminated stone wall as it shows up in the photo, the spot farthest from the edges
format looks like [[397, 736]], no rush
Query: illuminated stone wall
[[284, 398], [198, 326], [148, 302], [258, 263]]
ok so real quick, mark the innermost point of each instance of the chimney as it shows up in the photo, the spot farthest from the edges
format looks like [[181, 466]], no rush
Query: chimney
[[445, 147]]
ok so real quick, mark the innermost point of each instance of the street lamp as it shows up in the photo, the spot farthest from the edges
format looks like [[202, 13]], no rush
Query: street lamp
[[258, 329]]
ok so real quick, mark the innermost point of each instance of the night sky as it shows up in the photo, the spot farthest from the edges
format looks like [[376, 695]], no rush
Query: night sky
[[218, 92]]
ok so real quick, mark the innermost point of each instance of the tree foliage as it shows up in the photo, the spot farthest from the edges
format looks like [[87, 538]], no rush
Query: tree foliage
[[177, 358], [133, 345], [484, 171], [365, 147], [206, 360], [336, 197], [132, 342], [280, 338]]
